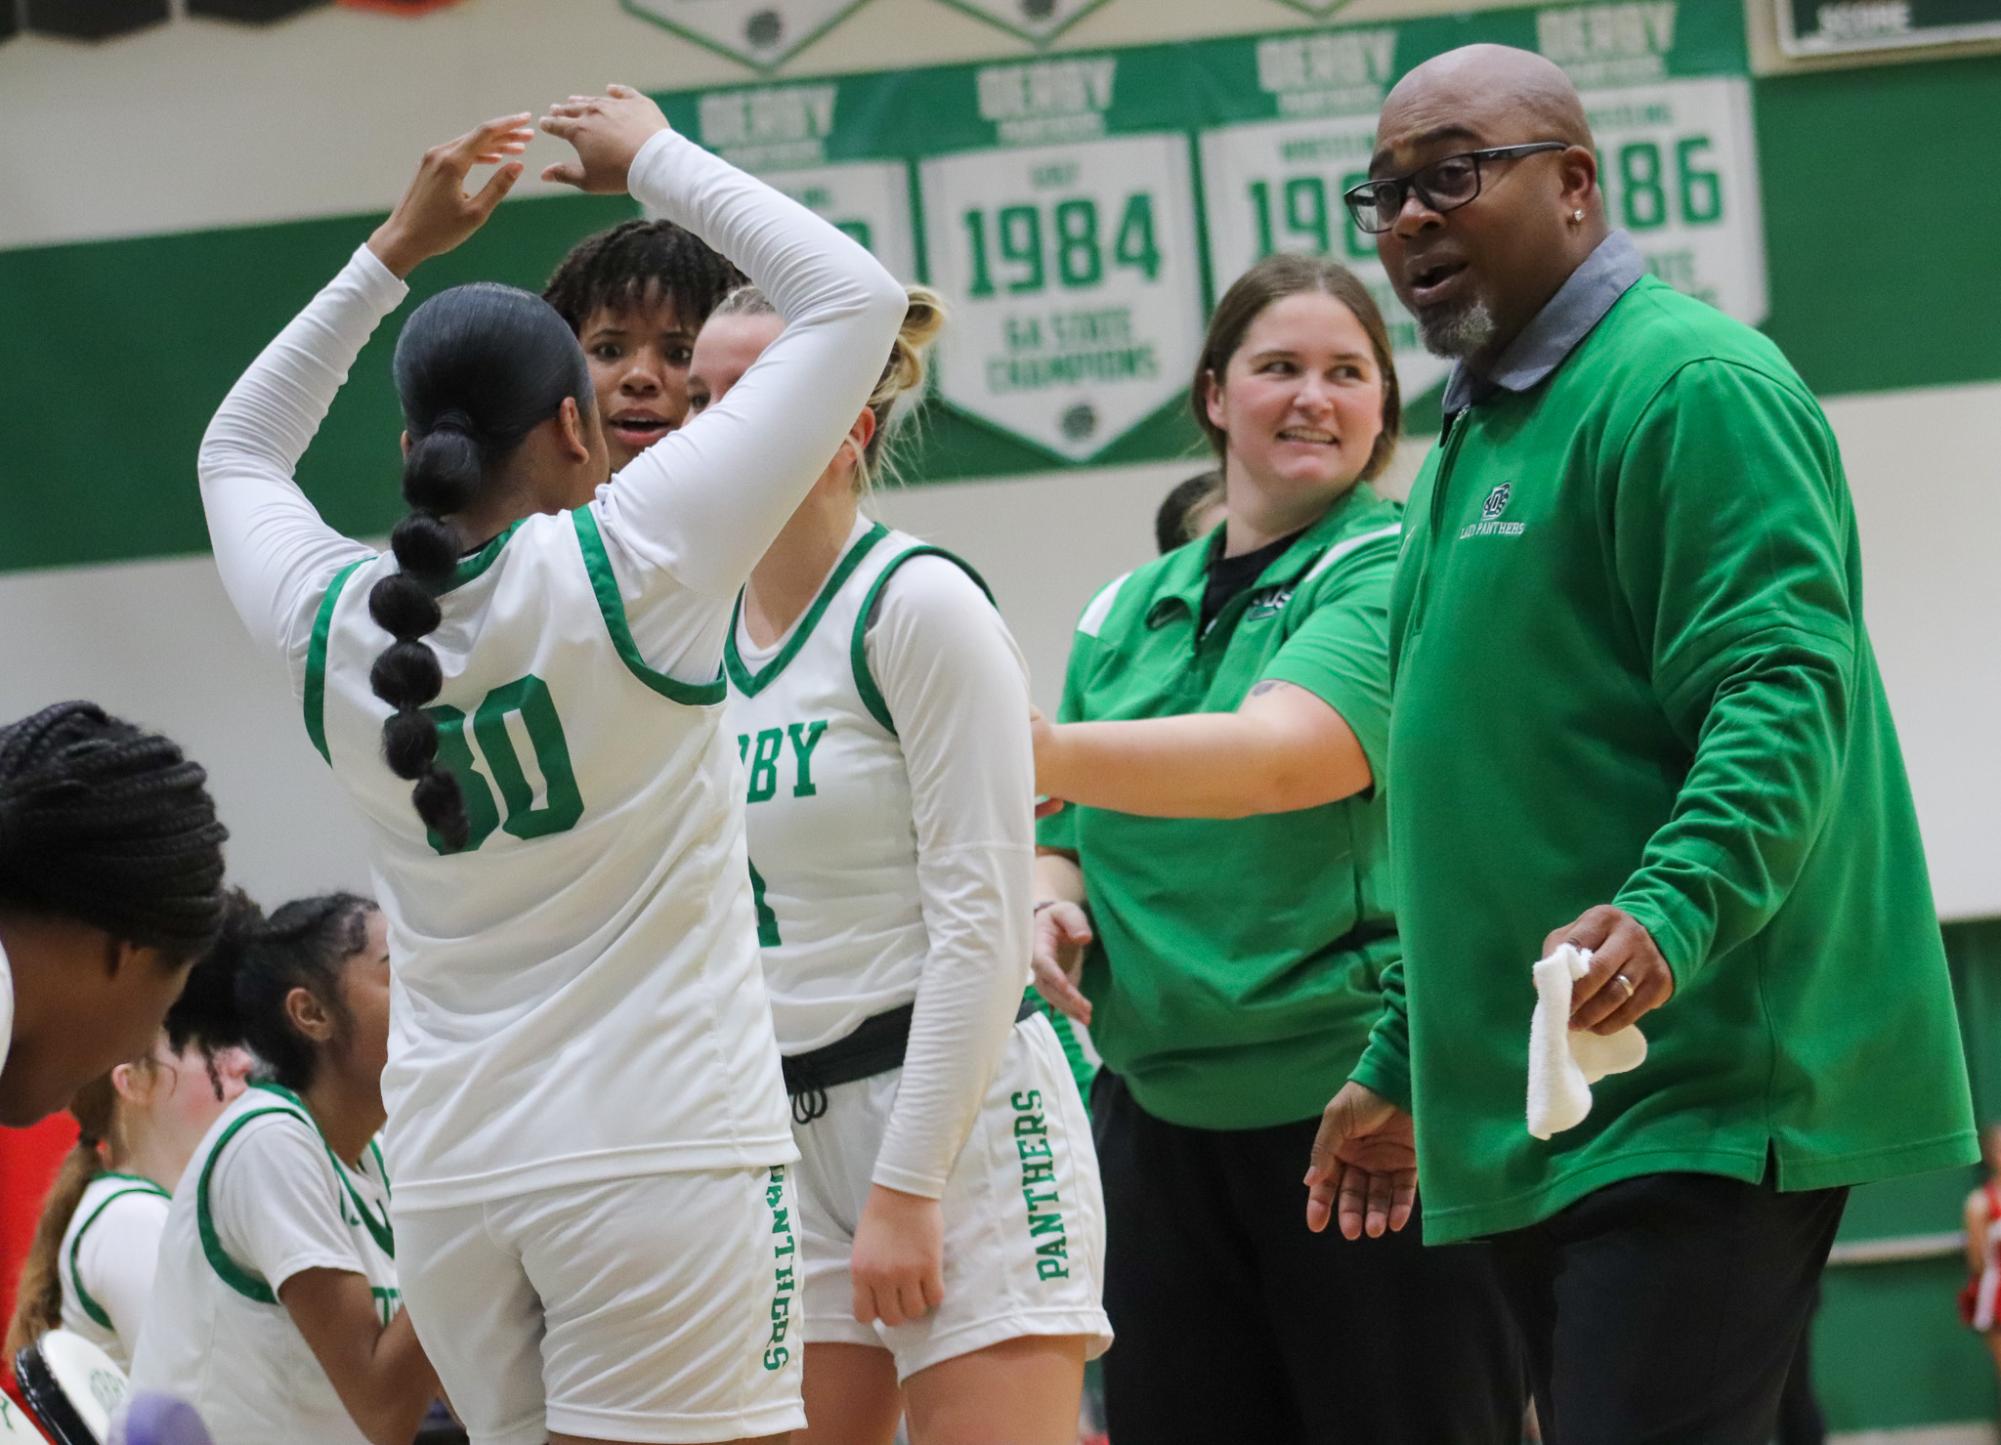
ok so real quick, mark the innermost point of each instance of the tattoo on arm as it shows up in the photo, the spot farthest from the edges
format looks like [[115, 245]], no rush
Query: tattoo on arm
[[1270, 684]]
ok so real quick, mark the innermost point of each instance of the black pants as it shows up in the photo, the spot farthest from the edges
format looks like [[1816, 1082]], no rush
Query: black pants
[[1665, 1310], [1236, 1324]]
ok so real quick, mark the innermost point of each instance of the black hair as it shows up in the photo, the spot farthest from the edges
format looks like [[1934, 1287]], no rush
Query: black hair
[[1178, 507], [236, 994], [636, 262], [477, 367], [112, 826]]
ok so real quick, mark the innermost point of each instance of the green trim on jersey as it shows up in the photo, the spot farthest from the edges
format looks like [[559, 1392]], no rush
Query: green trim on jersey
[[612, 606], [857, 648], [316, 661], [228, 1270], [244, 1281], [749, 683], [140, 1185], [470, 567]]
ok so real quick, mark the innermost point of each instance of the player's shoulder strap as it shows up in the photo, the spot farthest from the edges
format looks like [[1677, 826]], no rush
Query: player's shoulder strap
[[243, 1280], [865, 684], [611, 606], [130, 1184], [750, 683]]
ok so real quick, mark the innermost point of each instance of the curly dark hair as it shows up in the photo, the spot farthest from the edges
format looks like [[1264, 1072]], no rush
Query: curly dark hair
[[638, 261]]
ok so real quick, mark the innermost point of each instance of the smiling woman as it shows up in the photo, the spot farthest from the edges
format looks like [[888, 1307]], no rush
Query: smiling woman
[[1214, 905]]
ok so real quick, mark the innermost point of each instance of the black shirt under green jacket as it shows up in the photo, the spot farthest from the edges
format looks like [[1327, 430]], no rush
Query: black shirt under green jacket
[[1630, 667], [1238, 963]]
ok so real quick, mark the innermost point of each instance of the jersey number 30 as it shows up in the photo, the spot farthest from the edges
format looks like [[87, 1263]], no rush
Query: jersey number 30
[[526, 699]]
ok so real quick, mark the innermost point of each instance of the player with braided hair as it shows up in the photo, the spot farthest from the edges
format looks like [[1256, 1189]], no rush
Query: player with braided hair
[[110, 888], [635, 296], [594, 1213]]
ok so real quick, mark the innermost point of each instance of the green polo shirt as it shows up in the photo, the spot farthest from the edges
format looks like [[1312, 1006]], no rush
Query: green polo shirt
[[1630, 668], [1237, 963]]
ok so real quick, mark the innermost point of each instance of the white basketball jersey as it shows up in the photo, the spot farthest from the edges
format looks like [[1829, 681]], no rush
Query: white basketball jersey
[[576, 993], [216, 1333], [833, 851], [142, 1209]]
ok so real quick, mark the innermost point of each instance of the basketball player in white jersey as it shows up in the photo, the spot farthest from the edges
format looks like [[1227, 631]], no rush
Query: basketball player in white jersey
[[274, 1308], [954, 1229], [587, 1125]]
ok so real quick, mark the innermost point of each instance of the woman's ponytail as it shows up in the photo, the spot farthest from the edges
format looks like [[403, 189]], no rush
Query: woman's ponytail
[[38, 1297], [477, 368], [441, 476]]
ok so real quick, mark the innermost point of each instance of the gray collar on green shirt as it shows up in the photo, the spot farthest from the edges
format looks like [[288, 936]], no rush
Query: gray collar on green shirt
[[1564, 321]]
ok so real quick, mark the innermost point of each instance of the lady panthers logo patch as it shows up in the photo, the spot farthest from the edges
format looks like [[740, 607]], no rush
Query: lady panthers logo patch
[[1497, 502]]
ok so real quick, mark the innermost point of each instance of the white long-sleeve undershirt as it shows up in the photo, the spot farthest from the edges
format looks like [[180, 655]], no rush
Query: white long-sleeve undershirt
[[954, 680], [700, 507]]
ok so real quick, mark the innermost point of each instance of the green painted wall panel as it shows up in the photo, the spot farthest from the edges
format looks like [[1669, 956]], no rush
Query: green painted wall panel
[[1889, 1349], [1883, 222], [118, 352], [1881, 272]]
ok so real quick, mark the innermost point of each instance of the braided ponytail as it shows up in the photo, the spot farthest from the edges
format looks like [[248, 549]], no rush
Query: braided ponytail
[[441, 476], [478, 368]]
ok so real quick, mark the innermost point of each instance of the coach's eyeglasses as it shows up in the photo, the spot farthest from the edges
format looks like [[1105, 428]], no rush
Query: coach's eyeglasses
[[1445, 184]]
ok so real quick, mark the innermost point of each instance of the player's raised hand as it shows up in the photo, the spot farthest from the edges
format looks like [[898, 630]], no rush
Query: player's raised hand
[[435, 213], [607, 131], [1363, 1171]]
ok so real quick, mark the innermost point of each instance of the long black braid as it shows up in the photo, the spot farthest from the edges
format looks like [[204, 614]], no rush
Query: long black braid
[[112, 826], [477, 367], [636, 262]]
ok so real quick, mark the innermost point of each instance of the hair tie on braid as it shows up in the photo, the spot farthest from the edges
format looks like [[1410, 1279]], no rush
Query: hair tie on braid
[[478, 368]]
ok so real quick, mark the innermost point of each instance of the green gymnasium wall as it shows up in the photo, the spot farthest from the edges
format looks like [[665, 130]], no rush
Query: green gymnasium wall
[[1889, 1348], [1879, 235], [1881, 223]]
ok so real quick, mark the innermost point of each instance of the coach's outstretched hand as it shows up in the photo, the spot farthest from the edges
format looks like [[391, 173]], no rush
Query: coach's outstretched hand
[[436, 214], [1364, 1166], [607, 131]]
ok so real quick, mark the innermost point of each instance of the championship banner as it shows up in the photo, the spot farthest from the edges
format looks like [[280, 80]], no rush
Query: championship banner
[[1038, 20], [1082, 212], [763, 33]]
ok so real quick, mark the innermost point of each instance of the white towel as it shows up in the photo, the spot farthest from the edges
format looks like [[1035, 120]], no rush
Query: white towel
[[1563, 1062]]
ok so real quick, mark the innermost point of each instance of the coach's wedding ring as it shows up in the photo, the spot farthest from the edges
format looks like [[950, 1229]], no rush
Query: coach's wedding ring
[[1621, 978]]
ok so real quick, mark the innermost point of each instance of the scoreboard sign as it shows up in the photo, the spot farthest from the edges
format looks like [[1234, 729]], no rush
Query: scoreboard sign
[[1081, 212], [1835, 27]]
